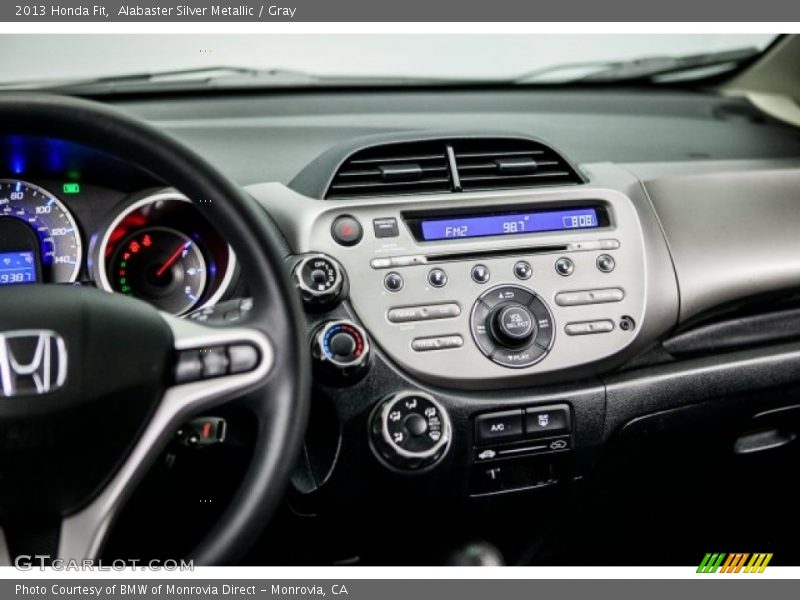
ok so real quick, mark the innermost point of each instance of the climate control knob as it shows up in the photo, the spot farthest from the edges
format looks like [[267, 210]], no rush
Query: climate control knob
[[320, 279], [410, 431], [340, 349]]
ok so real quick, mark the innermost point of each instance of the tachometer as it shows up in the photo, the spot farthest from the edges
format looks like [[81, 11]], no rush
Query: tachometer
[[162, 266], [39, 239]]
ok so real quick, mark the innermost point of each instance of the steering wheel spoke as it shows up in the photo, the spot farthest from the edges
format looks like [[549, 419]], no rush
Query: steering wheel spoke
[[232, 360]]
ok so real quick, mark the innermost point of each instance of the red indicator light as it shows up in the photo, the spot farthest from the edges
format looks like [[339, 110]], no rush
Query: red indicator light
[[206, 431], [146, 241], [134, 246], [126, 256]]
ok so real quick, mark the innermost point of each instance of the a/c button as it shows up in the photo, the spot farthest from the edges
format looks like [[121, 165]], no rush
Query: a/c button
[[495, 427]]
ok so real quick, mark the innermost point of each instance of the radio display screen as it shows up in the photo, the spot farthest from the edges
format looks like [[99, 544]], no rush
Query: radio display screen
[[508, 224]]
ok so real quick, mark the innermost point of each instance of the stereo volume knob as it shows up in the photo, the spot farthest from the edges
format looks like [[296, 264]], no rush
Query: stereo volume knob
[[410, 431], [320, 279], [341, 349]]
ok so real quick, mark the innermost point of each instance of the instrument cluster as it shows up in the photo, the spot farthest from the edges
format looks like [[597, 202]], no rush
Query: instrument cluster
[[157, 247]]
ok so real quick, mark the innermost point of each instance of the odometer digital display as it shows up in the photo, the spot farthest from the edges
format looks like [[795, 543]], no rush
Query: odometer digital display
[[17, 267], [508, 224]]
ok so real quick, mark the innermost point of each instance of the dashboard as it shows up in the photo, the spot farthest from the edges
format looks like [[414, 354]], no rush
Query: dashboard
[[486, 310]]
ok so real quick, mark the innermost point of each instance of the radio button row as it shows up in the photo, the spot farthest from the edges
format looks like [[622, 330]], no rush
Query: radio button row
[[606, 263], [564, 266], [444, 342], [523, 270], [480, 274], [427, 312], [393, 282], [437, 278], [589, 327], [583, 297]]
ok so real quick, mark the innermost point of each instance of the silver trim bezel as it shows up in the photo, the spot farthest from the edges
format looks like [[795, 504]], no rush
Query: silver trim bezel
[[99, 266]]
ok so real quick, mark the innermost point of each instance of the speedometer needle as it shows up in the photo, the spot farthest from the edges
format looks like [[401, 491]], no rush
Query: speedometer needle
[[175, 255]]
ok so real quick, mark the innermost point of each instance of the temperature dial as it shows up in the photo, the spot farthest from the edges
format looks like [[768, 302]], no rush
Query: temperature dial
[[341, 348], [320, 279], [410, 431]]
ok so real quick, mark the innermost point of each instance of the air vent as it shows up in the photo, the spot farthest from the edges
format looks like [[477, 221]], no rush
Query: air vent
[[408, 168], [450, 165], [498, 163]]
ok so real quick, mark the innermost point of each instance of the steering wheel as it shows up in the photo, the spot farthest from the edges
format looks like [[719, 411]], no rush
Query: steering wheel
[[76, 438]]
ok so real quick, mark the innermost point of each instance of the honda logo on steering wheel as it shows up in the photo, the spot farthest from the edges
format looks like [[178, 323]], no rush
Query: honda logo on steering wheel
[[32, 362]]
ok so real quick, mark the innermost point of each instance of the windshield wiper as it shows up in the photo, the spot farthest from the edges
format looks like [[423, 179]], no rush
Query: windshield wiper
[[222, 77], [650, 68], [177, 78]]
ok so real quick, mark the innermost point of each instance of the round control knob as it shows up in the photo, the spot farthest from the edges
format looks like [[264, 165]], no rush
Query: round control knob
[[512, 324], [340, 348], [409, 431], [320, 279]]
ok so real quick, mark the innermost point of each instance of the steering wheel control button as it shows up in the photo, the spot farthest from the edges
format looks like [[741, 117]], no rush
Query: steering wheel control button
[[242, 358], [393, 282], [589, 327], [480, 274], [564, 266], [437, 278], [347, 231], [340, 349], [547, 421], [215, 362], [523, 270], [498, 427], [581, 298], [385, 227], [512, 326], [320, 279], [409, 431], [189, 366], [444, 342], [425, 312], [606, 263]]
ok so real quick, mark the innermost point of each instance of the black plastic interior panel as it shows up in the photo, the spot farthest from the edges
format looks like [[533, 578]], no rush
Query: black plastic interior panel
[[737, 333]]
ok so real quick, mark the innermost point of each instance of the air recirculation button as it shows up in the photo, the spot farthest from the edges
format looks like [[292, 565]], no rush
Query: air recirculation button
[[512, 326]]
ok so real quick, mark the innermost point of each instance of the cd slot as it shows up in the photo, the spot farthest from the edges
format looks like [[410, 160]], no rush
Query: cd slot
[[410, 260], [437, 258]]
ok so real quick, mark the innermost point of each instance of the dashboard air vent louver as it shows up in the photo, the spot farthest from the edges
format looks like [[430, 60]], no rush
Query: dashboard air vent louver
[[407, 168], [450, 165], [498, 163]]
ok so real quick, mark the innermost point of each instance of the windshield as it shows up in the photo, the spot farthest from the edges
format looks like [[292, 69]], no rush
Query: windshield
[[531, 58]]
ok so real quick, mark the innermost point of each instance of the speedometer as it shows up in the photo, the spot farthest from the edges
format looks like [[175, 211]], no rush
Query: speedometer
[[39, 239]]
